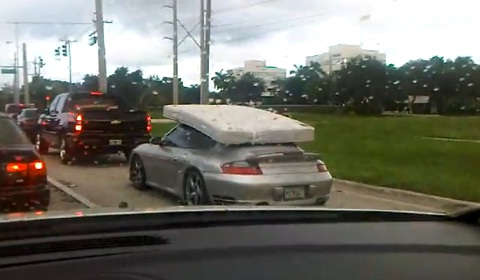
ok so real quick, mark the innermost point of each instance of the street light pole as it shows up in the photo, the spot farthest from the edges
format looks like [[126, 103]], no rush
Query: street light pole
[[26, 85]]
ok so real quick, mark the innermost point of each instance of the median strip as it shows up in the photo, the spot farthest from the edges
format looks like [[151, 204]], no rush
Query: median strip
[[85, 201]]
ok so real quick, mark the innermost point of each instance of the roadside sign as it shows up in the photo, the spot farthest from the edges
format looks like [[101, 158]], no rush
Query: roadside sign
[[8, 71]]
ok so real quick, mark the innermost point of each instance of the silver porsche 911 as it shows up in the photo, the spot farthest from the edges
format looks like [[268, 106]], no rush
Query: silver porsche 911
[[199, 170]]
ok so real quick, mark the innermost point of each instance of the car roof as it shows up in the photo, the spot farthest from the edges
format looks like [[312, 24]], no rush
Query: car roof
[[232, 124]]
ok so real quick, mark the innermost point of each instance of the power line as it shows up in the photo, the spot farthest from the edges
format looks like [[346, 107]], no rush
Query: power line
[[46, 23]]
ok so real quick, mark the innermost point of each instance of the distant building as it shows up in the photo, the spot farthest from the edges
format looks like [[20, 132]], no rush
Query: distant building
[[260, 69], [339, 54]]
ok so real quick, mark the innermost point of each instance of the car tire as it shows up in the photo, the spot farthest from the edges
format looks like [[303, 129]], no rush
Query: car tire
[[40, 144], [194, 189], [137, 174], [65, 152], [127, 153]]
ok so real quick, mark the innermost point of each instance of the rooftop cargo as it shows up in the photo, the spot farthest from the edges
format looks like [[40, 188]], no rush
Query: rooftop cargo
[[231, 124]]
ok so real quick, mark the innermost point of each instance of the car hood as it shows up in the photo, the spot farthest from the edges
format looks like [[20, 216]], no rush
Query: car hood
[[175, 209]]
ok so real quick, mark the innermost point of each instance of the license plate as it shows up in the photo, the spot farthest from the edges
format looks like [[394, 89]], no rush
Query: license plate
[[294, 193], [115, 142]]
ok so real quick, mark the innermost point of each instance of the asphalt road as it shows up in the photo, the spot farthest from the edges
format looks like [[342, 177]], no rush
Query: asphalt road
[[105, 183]]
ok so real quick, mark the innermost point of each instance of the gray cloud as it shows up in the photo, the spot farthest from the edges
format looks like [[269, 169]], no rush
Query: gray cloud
[[238, 20]]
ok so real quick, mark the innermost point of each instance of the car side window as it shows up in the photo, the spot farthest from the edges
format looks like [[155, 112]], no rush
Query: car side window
[[184, 136], [54, 103], [59, 107]]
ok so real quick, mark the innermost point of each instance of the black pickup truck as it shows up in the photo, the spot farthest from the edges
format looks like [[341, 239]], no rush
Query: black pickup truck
[[85, 124]]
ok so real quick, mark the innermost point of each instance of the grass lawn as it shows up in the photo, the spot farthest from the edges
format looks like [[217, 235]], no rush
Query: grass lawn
[[392, 151]]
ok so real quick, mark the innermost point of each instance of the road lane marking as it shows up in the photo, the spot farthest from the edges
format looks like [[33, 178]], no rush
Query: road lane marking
[[85, 201]]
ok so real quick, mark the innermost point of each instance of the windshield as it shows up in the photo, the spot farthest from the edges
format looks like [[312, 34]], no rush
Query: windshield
[[371, 104]]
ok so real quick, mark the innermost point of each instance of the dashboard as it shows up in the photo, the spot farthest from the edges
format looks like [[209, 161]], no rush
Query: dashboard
[[353, 250]]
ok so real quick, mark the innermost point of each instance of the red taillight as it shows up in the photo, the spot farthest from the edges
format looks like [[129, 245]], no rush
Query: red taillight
[[96, 93], [34, 168], [17, 167], [149, 123], [240, 168], [321, 167], [78, 123]]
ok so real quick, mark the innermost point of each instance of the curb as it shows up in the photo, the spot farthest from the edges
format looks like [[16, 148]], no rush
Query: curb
[[421, 199], [80, 198]]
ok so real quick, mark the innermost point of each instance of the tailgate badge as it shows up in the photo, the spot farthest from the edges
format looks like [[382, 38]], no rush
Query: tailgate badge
[[116, 122]]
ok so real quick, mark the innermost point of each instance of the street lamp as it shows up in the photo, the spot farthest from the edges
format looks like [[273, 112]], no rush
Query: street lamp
[[15, 77]]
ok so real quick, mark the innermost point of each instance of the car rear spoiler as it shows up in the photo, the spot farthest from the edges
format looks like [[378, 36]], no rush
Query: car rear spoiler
[[283, 157]]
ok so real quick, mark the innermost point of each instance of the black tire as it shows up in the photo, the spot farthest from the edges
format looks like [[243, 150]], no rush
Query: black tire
[[194, 190], [65, 152], [127, 152], [137, 174], [40, 144]]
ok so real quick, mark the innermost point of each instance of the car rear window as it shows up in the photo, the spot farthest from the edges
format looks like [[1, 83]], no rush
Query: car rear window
[[31, 114], [11, 134], [11, 109]]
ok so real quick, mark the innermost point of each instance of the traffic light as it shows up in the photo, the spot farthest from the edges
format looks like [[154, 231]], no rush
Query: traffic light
[[57, 52], [92, 40], [64, 50], [47, 98], [40, 62]]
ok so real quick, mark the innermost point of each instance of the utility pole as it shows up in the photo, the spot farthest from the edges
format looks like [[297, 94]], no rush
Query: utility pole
[[208, 15], [175, 53], [35, 63], [174, 39], [202, 52], [205, 24], [102, 63], [16, 87], [25, 75]]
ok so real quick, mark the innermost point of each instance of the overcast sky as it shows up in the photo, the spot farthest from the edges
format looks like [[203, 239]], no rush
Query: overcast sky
[[282, 32]]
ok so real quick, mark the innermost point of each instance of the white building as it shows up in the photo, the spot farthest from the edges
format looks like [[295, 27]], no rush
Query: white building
[[337, 55], [260, 69]]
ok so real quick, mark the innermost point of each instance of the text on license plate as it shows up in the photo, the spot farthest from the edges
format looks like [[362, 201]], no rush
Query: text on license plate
[[292, 193], [115, 142]]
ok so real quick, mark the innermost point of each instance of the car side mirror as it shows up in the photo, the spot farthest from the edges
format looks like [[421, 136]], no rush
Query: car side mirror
[[157, 141]]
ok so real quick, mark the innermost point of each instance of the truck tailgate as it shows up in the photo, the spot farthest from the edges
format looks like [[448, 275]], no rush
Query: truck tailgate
[[114, 121]]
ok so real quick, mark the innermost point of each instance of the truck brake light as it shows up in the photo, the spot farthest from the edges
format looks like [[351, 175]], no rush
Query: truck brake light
[[78, 123], [149, 123]]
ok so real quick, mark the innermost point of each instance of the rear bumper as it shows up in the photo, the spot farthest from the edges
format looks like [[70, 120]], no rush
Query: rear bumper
[[268, 189], [24, 198], [104, 144]]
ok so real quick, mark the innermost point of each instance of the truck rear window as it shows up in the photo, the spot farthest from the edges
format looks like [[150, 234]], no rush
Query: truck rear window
[[86, 100], [11, 134]]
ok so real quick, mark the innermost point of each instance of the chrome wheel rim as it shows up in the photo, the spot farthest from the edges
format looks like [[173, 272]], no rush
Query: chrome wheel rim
[[38, 142], [193, 189], [63, 149], [136, 173]]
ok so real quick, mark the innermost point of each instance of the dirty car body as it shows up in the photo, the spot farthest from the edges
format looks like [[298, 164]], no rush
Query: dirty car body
[[200, 170]]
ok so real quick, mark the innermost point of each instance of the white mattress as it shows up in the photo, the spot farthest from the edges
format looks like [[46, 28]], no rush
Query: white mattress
[[231, 124]]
